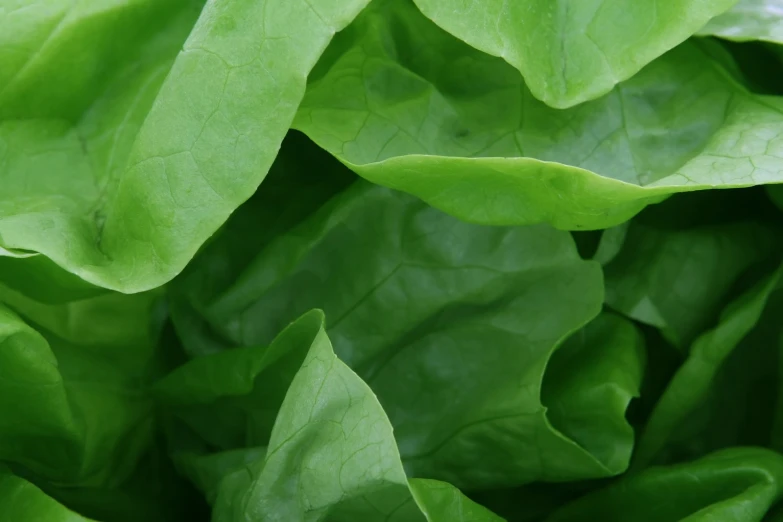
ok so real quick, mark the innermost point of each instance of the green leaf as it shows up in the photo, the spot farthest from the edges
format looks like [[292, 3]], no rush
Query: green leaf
[[39, 278], [73, 407], [611, 243], [331, 452], [749, 20], [735, 485], [155, 492], [117, 166], [459, 129], [678, 278], [224, 397], [451, 324], [301, 180], [575, 392], [691, 386], [572, 51], [20, 501], [207, 471], [441, 502]]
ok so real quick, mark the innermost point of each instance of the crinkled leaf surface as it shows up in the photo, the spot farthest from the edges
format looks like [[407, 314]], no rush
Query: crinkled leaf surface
[[471, 316], [119, 165], [406, 105], [736, 485], [571, 51], [749, 20]]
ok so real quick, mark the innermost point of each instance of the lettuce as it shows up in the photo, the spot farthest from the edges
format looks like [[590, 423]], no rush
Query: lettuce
[[391, 260], [748, 20]]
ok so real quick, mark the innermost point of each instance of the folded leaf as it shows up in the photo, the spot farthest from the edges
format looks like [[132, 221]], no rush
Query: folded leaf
[[451, 324], [331, 453], [232, 398], [677, 278], [155, 492], [688, 393], [73, 407], [460, 130], [736, 485], [300, 181]]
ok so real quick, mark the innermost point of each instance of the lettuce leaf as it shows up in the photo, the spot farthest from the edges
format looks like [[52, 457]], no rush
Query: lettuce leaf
[[330, 454], [471, 318], [572, 51], [391, 260], [460, 129], [749, 20], [119, 168], [733, 485], [676, 275], [23, 502]]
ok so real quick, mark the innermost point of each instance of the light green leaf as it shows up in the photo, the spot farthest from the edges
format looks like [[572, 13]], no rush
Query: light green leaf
[[119, 165], [735, 485], [749, 20], [331, 454], [21, 501], [571, 51], [408, 106]]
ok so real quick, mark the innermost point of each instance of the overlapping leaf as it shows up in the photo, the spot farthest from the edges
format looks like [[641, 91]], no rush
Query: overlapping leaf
[[676, 275], [330, 454], [73, 387], [716, 397], [477, 371], [571, 51], [737, 485], [460, 130], [451, 324]]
